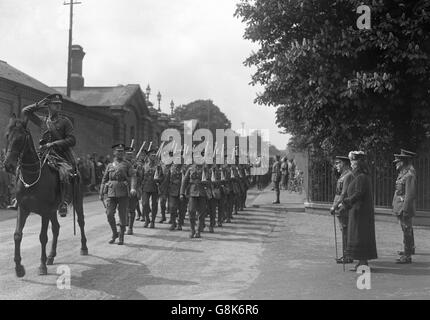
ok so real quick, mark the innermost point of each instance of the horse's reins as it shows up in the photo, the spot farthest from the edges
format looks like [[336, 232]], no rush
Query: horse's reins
[[21, 164]]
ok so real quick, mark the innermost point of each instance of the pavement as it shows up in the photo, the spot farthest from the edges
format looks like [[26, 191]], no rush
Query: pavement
[[267, 252]]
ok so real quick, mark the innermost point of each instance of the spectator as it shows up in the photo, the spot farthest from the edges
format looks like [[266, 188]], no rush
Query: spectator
[[291, 174], [284, 173]]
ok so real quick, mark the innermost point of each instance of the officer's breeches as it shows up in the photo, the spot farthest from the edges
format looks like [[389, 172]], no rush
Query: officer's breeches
[[112, 204], [174, 204], [197, 205], [154, 204], [133, 203], [408, 233], [163, 202]]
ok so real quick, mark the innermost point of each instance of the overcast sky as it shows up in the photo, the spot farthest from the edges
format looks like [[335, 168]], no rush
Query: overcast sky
[[186, 49]]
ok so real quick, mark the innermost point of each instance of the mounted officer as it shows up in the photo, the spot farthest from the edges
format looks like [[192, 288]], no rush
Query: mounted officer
[[57, 136], [342, 165], [404, 202], [115, 186]]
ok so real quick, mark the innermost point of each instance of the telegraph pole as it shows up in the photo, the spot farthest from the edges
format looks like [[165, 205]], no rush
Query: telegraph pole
[[69, 60]]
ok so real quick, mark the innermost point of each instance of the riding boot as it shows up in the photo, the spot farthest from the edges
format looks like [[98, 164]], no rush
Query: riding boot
[[121, 236], [131, 222], [114, 231]]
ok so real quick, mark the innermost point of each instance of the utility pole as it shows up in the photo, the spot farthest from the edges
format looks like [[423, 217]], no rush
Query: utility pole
[[69, 60]]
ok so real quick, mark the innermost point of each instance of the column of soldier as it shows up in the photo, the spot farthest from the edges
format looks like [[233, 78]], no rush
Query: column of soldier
[[203, 190], [353, 205]]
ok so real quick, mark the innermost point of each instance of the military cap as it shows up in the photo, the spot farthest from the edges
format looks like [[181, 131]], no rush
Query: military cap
[[55, 98], [129, 149], [404, 155], [119, 146], [341, 158], [356, 155]]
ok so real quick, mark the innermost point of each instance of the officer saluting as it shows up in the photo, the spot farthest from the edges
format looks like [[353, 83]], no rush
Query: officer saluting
[[114, 185], [404, 201]]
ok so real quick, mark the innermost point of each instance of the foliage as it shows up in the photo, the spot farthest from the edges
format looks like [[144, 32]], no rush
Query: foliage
[[336, 87]]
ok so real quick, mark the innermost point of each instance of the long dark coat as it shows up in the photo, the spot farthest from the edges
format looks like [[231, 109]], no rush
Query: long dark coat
[[361, 225]]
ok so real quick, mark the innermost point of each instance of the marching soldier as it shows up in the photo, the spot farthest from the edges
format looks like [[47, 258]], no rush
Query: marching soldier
[[276, 177], [197, 197], [57, 133], [237, 188], [227, 189], [150, 182], [207, 185], [404, 201], [133, 201], [115, 186], [342, 165], [173, 180], [163, 192], [216, 204], [183, 202]]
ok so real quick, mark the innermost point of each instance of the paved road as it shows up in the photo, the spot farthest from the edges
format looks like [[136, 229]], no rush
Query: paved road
[[268, 252]]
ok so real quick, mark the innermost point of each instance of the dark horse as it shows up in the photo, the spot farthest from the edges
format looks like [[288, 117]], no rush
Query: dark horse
[[38, 191]]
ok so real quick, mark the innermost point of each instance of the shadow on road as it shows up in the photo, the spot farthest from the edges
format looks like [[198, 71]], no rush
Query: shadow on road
[[416, 268]]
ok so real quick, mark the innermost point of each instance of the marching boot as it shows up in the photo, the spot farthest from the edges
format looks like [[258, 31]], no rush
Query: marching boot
[[163, 217], [121, 236], [193, 229], [114, 232], [131, 223]]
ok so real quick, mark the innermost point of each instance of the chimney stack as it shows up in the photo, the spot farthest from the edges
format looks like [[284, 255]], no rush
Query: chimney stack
[[76, 79]]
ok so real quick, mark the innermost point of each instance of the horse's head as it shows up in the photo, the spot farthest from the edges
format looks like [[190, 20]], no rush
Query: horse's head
[[16, 141]]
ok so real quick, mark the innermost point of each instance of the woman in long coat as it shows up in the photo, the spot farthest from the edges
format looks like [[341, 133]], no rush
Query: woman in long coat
[[359, 202]]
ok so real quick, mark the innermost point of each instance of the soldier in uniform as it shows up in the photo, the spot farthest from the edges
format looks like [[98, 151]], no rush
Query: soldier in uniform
[[237, 188], [404, 201], [115, 187], [163, 192], [208, 210], [57, 134], [133, 201], [342, 165], [150, 182], [197, 197], [216, 204], [227, 189], [276, 177]]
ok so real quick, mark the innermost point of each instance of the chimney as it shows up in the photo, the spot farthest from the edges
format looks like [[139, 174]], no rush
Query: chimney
[[76, 79]]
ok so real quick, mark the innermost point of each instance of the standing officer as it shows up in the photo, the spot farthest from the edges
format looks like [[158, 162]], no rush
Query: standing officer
[[197, 197], [276, 177], [342, 165], [115, 186], [150, 187], [133, 201], [404, 199]]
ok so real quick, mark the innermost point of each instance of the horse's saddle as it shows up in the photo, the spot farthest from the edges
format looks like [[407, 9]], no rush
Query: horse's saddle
[[58, 163]]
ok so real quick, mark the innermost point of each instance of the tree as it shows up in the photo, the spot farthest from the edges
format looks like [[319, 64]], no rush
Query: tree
[[206, 112], [336, 87]]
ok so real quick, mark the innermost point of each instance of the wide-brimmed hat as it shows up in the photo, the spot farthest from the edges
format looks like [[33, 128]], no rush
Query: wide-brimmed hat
[[356, 155]]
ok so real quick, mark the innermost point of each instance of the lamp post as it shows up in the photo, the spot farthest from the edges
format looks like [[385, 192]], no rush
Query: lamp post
[[172, 104], [159, 100], [148, 92]]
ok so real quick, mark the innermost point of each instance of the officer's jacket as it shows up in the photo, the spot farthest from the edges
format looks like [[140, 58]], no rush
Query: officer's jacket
[[342, 186], [405, 193], [276, 172], [207, 185], [227, 186], [217, 184], [193, 180], [115, 179], [164, 183], [57, 130], [148, 182], [174, 180]]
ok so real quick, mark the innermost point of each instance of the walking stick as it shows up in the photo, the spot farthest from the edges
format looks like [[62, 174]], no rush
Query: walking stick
[[335, 234]]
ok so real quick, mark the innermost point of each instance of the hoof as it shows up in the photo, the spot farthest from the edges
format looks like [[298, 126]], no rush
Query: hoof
[[50, 261], [84, 252], [43, 271], [20, 271]]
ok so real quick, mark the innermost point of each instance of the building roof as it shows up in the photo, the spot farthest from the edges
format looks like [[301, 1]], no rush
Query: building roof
[[12, 74], [102, 96]]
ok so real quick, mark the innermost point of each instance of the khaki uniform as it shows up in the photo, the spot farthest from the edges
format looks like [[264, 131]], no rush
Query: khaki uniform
[[276, 178], [341, 190], [133, 201], [150, 191], [163, 192], [227, 190], [115, 186], [173, 179], [197, 197], [404, 205]]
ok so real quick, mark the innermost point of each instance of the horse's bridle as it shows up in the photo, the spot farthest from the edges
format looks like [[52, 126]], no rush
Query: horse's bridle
[[22, 164]]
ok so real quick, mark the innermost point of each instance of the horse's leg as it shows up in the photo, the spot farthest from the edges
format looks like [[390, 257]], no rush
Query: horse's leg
[[55, 232], [20, 222], [43, 237], [79, 207]]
